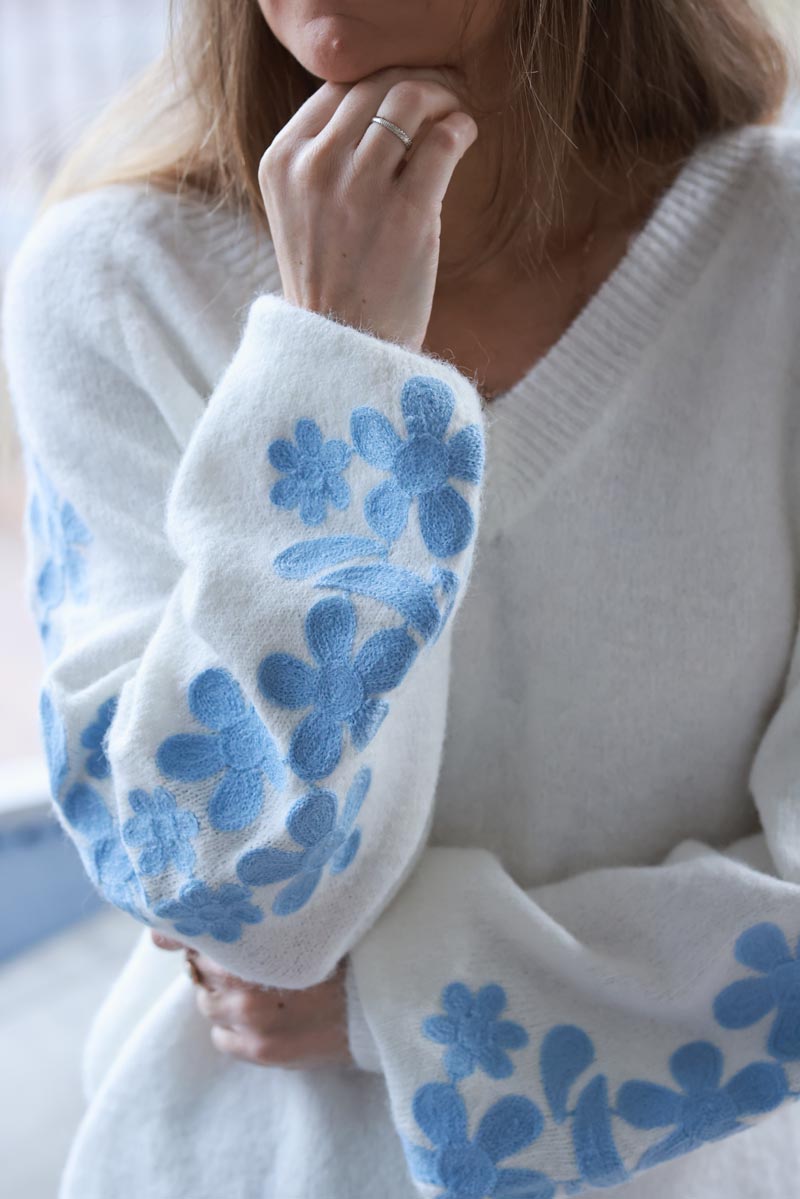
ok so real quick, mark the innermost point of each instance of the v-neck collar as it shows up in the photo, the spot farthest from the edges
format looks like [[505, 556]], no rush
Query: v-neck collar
[[534, 426]]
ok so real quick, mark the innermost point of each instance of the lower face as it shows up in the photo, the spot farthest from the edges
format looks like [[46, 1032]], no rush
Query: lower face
[[341, 41]]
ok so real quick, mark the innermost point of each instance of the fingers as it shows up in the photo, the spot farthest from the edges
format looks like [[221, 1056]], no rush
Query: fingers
[[409, 102], [431, 165], [162, 942]]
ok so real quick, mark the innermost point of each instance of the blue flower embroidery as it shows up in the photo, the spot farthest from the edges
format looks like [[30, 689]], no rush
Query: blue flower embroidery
[[420, 466], [340, 691], [473, 1031], [161, 830], [106, 860], [468, 1169], [93, 737], [220, 913], [764, 948], [54, 738], [63, 536], [240, 745], [702, 1110], [312, 823], [312, 472]]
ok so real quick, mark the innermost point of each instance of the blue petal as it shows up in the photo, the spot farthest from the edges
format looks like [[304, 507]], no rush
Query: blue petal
[[495, 1062], [440, 1029], [86, 812], [592, 1136], [315, 747], [386, 510], [307, 557], [50, 584], [75, 570], [648, 1104], [75, 531], [445, 521], [459, 1062], [465, 455], [697, 1066], [330, 629], [509, 1035], [313, 508], [55, 742], [784, 1037], [566, 1052], [355, 798], [337, 491], [308, 437], [287, 492], [292, 897], [490, 1001], [345, 853], [422, 1163], [260, 867], [215, 698], [509, 1125], [457, 999], [758, 1088], [394, 586], [384, 659], [374, 437], [312, 817], [744, 1003], [674, 1145], [427, 404], [335, 454], [237, 801], [762, 948], [365, 723], [439, 1110], [190, 756], [523, 1184], [282, 454], [286, 681]]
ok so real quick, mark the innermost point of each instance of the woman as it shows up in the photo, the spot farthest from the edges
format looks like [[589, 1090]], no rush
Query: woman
[[493, 434]]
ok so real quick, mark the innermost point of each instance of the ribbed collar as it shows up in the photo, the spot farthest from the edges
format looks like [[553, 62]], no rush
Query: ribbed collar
[[540, 421]]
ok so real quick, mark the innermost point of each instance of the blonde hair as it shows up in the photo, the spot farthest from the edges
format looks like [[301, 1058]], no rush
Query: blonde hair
[[615, 82]]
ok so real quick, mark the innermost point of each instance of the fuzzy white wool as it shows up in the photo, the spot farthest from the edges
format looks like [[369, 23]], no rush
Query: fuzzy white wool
[[584, 793]]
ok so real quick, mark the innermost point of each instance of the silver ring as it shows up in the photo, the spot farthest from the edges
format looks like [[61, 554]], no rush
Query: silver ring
[[401, 133]]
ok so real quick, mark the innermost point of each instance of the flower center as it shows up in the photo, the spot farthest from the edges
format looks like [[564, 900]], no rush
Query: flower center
[[421, 464], [473, 1032], [707, 1115], [312, 472], [244, 744], [466, 1171], [339, 690]]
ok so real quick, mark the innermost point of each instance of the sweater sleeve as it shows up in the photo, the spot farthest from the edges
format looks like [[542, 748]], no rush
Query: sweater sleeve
[[246, 635], [549, 1040]]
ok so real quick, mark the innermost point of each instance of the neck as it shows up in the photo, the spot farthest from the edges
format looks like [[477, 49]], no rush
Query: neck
[[594, 201]]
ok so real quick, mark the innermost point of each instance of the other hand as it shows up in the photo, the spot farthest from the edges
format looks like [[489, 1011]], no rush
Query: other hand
[[270, 1027]]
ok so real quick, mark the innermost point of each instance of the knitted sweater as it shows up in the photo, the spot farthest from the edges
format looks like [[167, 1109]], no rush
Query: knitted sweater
[[500, 702]]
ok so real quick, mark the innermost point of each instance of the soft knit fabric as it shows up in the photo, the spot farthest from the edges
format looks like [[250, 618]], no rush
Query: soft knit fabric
[[272, 569]]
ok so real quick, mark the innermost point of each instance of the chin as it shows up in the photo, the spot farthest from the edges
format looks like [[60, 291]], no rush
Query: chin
[[336, 50]]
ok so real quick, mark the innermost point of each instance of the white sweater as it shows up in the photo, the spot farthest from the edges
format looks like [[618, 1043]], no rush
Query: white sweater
[[270, 565]]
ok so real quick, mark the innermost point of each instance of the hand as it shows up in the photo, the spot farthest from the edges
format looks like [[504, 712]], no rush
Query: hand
[[354, 218], [292, 1029]]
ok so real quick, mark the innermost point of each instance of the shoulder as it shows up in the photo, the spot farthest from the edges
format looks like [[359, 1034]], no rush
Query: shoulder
[[93, 248], [775, 165]]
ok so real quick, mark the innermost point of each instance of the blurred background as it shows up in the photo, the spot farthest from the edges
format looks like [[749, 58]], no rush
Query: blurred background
[[60, 60]]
